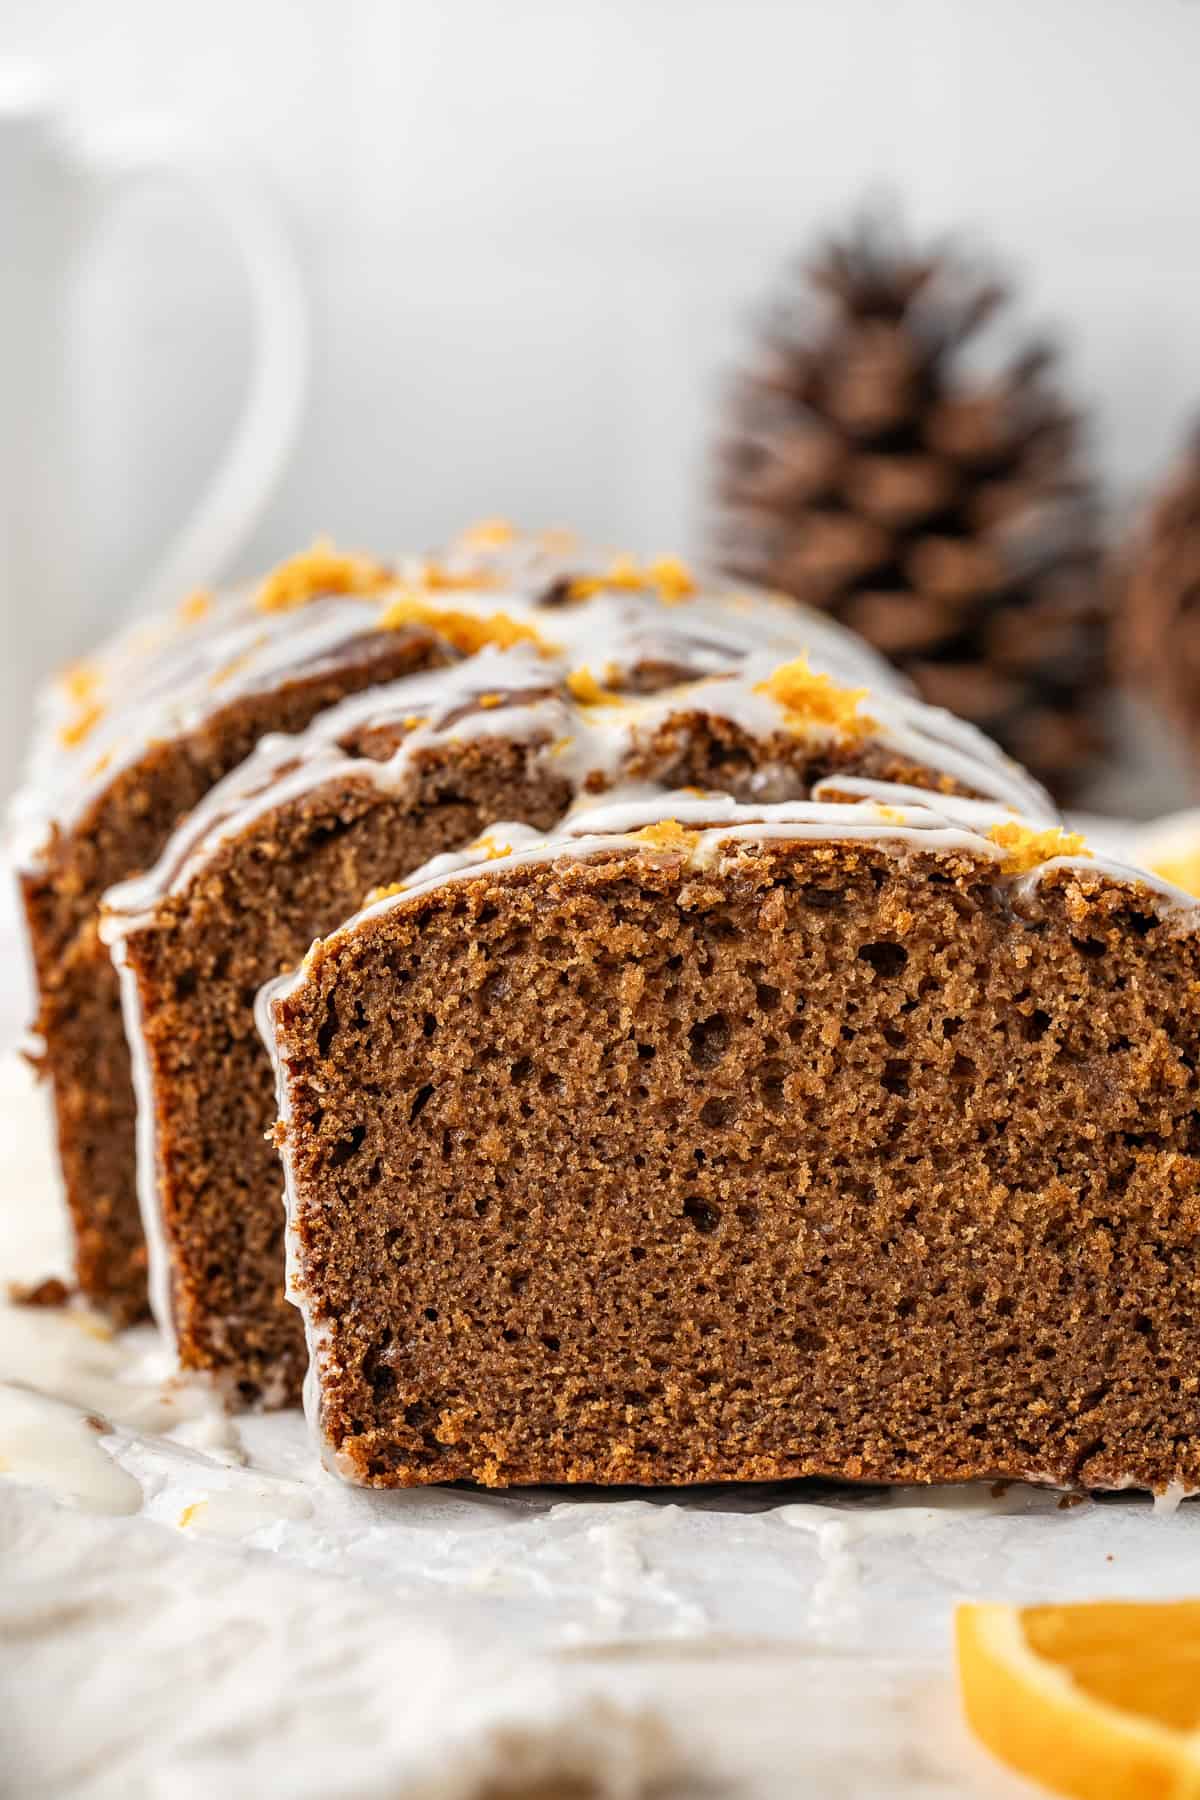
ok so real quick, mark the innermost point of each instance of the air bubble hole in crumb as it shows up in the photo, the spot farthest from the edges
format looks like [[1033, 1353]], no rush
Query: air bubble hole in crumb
[[887, 959], [328, 1031], [702, 1214], [895, 1076], [715, 1113], [341, 1153], [708, 1040]]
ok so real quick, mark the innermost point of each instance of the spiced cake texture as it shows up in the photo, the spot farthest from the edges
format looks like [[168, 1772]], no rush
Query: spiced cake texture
[[288, 846], [713, 1143], [133, 738]]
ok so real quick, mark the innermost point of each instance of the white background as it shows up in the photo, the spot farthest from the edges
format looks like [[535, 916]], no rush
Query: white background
[[533, 232]]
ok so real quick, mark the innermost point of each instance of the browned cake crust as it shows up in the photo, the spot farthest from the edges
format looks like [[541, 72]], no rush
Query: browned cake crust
[[827, 1160], [79, 1012]]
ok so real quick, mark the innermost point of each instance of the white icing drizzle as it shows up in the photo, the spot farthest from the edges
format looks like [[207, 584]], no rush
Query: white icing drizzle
[[159, 1273], [582, 743], [164, 681]]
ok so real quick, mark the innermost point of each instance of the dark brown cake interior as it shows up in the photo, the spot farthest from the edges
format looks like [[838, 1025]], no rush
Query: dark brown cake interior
[[844, 1164], [297, 872]]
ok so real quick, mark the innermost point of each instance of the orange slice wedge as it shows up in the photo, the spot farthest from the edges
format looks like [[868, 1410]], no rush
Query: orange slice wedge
[[1100, 1701]]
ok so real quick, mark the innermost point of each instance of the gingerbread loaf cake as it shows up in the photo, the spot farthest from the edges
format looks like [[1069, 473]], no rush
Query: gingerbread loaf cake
[[133, 739], [288, 845], [697, 1141]]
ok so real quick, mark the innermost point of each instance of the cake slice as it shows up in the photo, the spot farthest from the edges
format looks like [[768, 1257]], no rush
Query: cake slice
[[698, 1141], [289, 844]]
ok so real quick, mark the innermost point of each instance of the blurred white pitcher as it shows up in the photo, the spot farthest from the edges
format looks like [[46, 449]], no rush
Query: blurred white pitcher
[[54, 184]]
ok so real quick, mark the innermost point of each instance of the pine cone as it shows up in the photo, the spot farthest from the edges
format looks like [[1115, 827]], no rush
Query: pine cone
[[944, 515], [1158, 621]]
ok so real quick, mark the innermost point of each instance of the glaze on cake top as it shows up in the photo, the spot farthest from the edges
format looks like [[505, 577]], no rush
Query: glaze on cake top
[[601, 614], [567, 680]]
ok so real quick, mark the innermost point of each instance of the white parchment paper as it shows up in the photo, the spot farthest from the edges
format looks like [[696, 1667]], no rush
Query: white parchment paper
[[190, 1606]]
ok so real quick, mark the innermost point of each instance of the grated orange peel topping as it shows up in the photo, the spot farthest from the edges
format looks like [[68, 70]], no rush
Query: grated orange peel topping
[[809, 698], [672, 578], [668, 834], [1098, 1700], [468, 632], [321, 569], [194, 606], [79, 681], [1025, 847], [384, 893], [488, 534], [666, 576], [492, 847], [81, 724], [587, 690]]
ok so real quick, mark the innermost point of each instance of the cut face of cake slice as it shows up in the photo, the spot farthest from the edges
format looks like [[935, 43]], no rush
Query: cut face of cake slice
[[288, 846], [854, 1137]]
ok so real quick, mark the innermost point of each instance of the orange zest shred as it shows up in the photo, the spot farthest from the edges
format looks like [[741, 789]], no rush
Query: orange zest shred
[[809, 698], [488, 534], [493, 848], [190, 1513], [321, 569], [79, 681], [666, 576], [673, 579], [194, 606], [384, 893], [668, 834], [436, 578], [587, 690], [1025, 847], [81, 725], [229, 670], [468, 632], [487, 701]]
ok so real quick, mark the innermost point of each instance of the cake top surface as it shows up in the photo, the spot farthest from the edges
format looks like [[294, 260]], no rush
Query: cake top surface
[[601, 615], [588, 671], [707, 832], [584, 733]]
